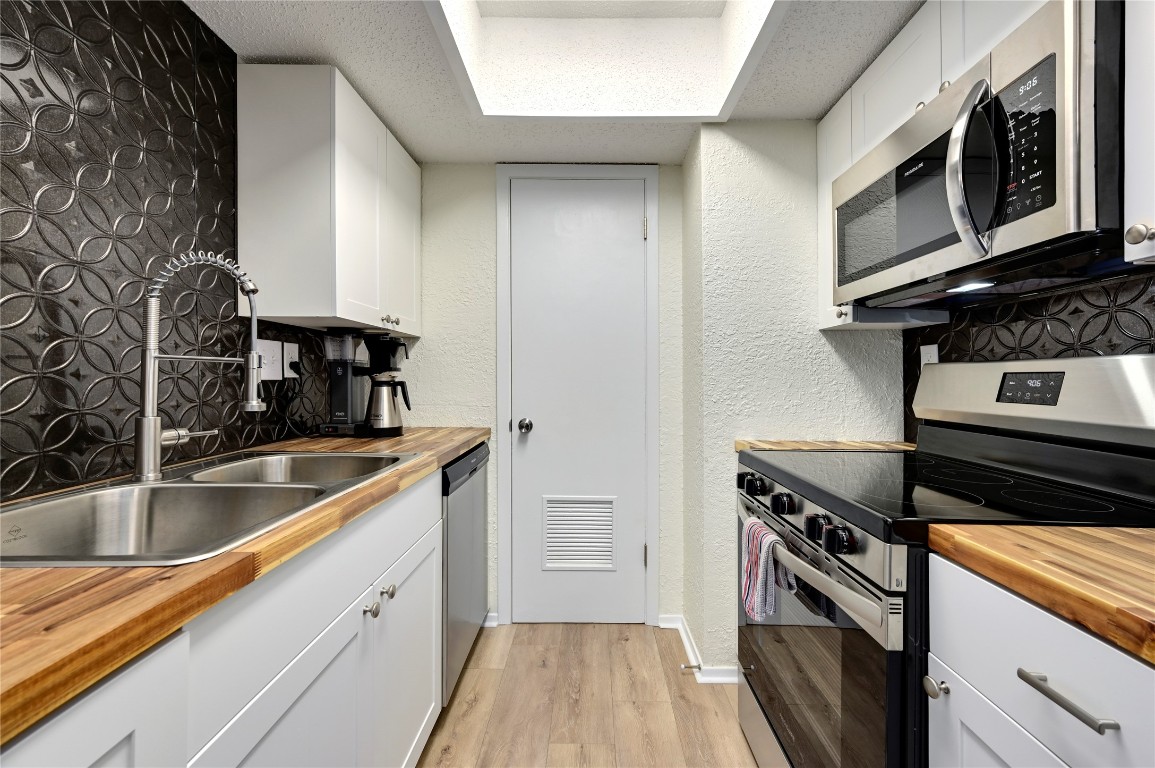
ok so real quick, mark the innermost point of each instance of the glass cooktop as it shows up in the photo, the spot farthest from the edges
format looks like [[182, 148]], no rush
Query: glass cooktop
[[903, 491]]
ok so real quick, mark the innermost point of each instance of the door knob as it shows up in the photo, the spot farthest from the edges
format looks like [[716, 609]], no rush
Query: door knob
[[525, 425], [389, 591], [934, 689], [1137, 233], [373, 610]]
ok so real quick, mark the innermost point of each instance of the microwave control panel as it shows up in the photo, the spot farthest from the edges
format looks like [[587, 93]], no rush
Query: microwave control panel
[[1031, 388], [1030, 107]]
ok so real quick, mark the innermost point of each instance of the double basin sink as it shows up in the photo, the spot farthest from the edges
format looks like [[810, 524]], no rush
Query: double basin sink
[[197, 511]]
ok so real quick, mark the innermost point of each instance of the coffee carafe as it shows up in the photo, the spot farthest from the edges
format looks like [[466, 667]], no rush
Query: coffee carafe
[[383, 413]]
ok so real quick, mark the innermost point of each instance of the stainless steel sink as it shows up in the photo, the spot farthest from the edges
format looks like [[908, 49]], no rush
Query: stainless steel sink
[[301, 468], [154, 524]]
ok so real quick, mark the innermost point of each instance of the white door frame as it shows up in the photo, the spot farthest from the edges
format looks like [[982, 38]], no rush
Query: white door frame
[[505, 174]]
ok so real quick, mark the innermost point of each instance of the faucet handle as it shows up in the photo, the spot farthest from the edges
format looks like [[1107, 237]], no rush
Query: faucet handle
[[180, 436]]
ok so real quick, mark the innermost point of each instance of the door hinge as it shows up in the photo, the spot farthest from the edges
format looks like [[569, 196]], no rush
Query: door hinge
[[645, 555], [645, 228]]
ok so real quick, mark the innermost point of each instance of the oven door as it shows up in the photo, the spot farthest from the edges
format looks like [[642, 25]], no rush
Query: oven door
[[830, 691]]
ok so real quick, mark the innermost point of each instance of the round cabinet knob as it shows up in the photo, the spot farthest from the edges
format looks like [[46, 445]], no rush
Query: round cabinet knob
[[388, 320], [389, 591], [838, 540], [1137, 233], [782, 504], [933, 689], [813, 525], [755, 486], [919, 106], [525, 426], [944, 86], [373, 610], [396, 321]]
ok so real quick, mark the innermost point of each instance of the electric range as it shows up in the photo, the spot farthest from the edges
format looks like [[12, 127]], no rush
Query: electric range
[[835, 674]]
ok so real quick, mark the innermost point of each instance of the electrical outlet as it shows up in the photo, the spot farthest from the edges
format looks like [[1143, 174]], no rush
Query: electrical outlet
[[927, 354], [292, 354], [271, 354]]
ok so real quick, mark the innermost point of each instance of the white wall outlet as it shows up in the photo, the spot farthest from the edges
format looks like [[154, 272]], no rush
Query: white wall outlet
[[927, 354], [292, 354], [271, 354]]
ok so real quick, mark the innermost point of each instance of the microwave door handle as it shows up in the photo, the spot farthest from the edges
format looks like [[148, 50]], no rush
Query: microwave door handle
[[978, 244], [864, 610]]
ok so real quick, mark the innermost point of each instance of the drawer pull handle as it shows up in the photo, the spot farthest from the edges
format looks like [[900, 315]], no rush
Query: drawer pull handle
[[1039, 683]]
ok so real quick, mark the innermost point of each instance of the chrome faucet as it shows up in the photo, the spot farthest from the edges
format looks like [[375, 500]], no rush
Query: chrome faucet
[[150, 438]]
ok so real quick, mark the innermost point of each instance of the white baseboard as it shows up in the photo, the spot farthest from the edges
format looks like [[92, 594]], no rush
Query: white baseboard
[[705, 675], [490, 619]]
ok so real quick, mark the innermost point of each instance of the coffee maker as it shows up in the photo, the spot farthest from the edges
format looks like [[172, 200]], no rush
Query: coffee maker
[[346, 390], [383, 410]]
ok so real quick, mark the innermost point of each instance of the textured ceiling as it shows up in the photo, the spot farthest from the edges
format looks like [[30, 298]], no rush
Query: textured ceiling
[[602, 9], [391, 55]]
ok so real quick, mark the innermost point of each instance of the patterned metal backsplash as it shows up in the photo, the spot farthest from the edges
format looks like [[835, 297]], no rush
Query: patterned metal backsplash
[[1112, 318], [118, 144]]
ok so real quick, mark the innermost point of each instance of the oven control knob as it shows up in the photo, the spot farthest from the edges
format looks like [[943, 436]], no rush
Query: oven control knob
[[742, 476], [755, 486], [782, 504], [838, 540], [813, 525]]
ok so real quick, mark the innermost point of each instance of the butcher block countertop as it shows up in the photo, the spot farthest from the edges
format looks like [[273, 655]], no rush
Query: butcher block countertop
[[1100, 578], [819, 445], [63, 629]]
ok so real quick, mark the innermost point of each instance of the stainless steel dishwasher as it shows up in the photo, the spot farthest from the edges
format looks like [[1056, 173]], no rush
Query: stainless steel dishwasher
[[464, 509]]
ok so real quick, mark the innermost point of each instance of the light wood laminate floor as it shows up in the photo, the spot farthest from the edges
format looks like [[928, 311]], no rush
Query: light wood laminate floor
[[588, 696]]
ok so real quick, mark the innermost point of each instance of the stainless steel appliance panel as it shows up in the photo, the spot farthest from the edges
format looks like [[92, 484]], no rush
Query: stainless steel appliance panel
[[465, 570]]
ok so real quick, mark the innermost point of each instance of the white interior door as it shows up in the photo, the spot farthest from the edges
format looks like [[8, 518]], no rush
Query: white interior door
[[578, 355]]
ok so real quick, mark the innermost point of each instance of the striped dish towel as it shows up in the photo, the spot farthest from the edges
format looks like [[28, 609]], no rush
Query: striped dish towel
[[761, 575]]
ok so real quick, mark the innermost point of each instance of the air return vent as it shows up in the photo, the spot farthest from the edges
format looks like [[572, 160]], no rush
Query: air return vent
[[578, 533]]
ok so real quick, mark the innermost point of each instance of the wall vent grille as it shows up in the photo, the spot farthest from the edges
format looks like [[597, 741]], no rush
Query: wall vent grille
[[578, 533]]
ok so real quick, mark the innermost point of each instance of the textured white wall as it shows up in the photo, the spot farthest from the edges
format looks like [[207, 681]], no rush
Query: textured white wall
[[670, 465], [755, 364], [452, 371]]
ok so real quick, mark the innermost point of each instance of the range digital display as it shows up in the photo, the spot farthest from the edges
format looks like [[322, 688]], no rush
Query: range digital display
[[1031, 388]]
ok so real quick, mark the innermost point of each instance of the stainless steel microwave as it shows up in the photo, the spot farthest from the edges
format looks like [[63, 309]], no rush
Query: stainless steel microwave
[[1007, 183]]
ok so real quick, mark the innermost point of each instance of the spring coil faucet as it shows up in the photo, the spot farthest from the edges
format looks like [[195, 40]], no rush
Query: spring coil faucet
[[150, 437]]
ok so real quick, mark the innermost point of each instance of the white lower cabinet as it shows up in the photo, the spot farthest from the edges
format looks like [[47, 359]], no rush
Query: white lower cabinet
[[405, 686], [968, 731], [1086, 701], [136, 717], [308, 714]]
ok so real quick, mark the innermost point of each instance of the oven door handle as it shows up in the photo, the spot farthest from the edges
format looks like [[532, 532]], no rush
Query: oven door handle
[[978, 244], [864, 610]]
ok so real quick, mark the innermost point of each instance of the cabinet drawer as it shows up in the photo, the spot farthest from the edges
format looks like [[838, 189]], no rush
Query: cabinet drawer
[[241, 644], [986, 634]]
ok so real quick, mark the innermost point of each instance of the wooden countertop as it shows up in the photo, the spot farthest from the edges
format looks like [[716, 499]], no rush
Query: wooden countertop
[[63, 629], [819, 445], [1100, 578]]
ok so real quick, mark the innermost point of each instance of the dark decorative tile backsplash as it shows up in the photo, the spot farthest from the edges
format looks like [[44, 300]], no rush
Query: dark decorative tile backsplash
[[118, 143], [1112, 318]]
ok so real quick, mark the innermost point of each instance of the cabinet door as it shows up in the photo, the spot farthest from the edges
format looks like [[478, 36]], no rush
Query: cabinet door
[[971, 28], [965, 730], [401, 237], [406, 639], [905, 73], [137, 717], [308, 714], [1138, 133], [356, 206]]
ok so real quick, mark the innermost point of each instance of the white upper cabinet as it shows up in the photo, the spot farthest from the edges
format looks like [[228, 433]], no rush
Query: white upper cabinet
[[328, 203], [400, 200], [906, 73], [971, 29], [1139, 131]]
